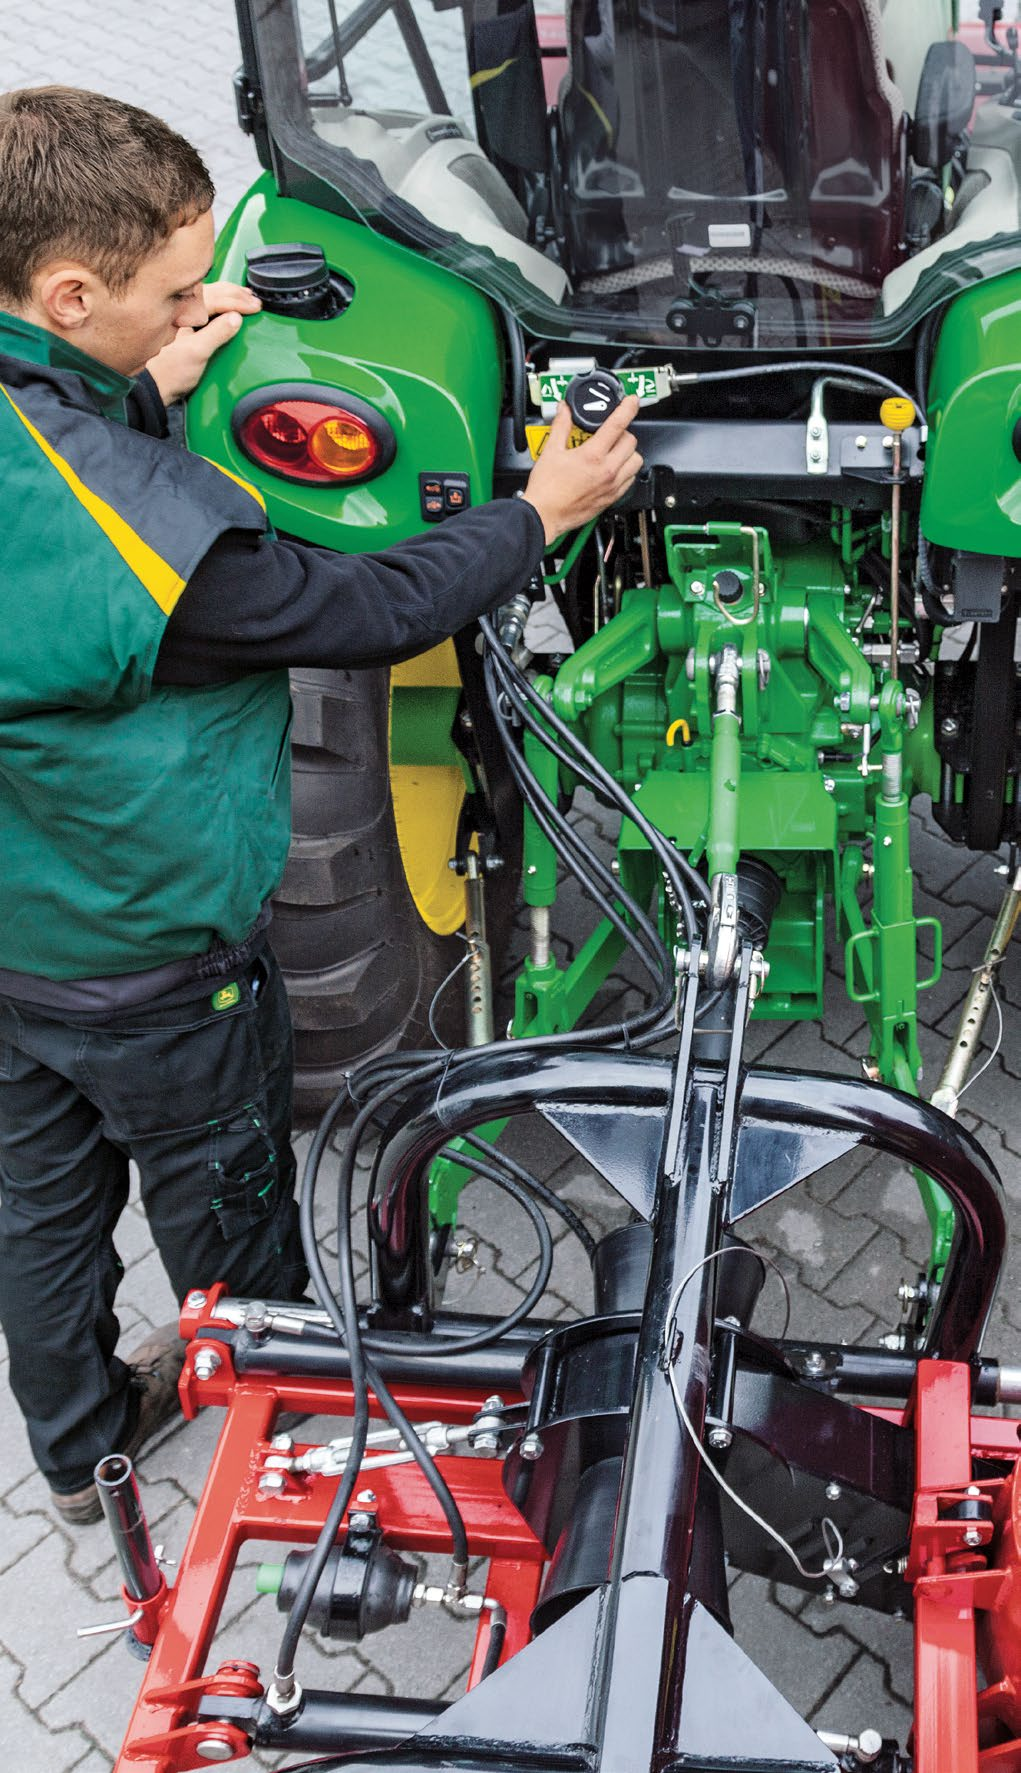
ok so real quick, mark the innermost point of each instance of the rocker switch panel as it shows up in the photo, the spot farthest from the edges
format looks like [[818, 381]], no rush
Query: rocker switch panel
[[441, 495]]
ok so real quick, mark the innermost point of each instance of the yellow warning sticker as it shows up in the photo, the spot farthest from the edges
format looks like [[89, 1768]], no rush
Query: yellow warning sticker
[[537, 435]]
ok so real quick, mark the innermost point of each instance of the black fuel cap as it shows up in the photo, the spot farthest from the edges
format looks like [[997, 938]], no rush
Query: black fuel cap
[[592, 397], [295, 279]]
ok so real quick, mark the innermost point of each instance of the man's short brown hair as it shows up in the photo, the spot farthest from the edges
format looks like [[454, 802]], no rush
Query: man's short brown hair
[[87, 178]]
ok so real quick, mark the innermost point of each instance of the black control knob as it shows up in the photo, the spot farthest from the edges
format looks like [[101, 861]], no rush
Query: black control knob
[[728, 586], [592, 397]]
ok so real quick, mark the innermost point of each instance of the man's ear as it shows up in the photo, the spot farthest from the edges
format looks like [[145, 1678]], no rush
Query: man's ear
[[67, 295]]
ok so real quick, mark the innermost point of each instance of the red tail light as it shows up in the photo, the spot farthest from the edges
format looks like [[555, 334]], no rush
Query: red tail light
[[317, 436]]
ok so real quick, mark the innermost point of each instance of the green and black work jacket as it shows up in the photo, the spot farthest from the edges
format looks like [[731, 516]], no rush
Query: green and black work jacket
[[149, 617], [139, 823]]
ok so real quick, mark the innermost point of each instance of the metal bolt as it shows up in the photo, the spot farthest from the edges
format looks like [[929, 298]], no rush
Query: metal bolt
[[829, 1595], [359, 1520], [493, 1403], [973, 1490], [815, 1362], [214, 1748], [829, 784], [720, 1439], [870, 1746], [887, 842], [283, 1443], [486, 1442], [670, 501], [833, 1492], [256, 1317], [972, 1536], [195, 1301], [907, 1294], [366, 1496], [697, 588], [815, 454], [207, 1362], [531, 869], [464, 1253], [815, 430], [272, 1483], [949, 727], [861, 443], [531, 1448]]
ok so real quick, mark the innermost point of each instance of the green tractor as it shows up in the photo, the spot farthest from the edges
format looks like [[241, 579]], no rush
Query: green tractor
[[793, 228]]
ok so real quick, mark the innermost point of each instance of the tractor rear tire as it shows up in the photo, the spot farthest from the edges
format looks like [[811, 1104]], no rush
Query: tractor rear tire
[[362, 966]]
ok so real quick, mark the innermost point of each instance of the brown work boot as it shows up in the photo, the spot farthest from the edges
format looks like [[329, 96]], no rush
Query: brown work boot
[[156, 1367]]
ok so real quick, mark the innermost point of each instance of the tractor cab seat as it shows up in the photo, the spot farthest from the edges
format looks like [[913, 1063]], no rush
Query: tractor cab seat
[[770, 136]]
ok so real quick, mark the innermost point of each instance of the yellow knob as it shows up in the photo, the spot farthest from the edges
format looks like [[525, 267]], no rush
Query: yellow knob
[[678, 726], [897, 414]]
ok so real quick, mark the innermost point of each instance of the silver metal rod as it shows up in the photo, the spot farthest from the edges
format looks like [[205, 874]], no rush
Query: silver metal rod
[[976, 1005], [539, 919], [895, 561], [479, 972]]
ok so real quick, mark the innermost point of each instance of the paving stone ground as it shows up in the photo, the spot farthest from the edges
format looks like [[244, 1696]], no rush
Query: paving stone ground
[[844, 1242]]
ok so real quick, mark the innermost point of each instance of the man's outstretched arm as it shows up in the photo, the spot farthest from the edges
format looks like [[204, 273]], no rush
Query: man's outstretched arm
[[253, 604]]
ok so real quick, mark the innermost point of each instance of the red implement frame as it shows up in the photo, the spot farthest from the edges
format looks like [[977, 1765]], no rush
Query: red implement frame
[[164, 1730], [965, 1573]]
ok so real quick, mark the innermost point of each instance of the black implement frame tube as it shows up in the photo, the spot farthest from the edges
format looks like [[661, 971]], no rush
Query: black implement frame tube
[[319, 1354], [326, 1722], [482, 1088]]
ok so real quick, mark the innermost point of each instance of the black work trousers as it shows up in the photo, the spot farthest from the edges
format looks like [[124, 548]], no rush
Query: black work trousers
[[200, 1097]]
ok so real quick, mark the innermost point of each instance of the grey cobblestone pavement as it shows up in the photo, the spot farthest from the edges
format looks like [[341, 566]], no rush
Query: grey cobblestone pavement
[[844, 1242]]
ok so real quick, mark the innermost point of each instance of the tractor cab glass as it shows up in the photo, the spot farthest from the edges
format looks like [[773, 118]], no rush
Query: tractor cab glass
[[768, 173]]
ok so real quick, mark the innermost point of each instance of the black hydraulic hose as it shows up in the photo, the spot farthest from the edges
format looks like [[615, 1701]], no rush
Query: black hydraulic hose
[[583, 864], [576, 853], [526, 1305], [561, 1207], [518, 378], [932, 602], [344, 1318], [675, 864], [586, 765], [392, 1410], [494, 1648], [867, 377]]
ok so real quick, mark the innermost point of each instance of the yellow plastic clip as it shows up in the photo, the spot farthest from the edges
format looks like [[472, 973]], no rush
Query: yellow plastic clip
[[678, 726], [896, 414]]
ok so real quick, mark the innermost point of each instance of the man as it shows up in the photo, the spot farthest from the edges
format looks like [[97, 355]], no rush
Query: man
[[148, 622]]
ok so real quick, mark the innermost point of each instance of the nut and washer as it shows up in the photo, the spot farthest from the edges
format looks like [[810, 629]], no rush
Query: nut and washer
[[195, 1301], [531, 1447], [207, 1362], [720, 1439]]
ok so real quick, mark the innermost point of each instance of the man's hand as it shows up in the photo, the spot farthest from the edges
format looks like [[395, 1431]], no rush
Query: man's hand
[[569, 486], [179, 367]]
